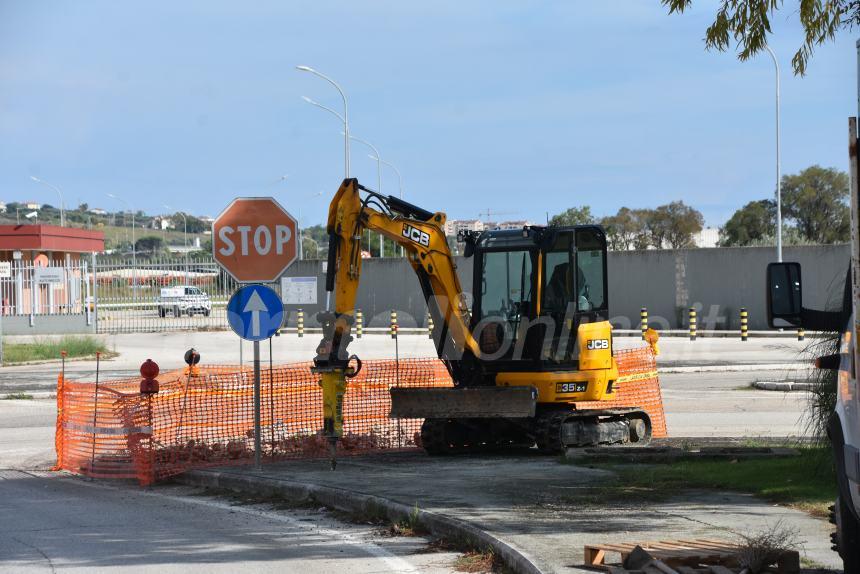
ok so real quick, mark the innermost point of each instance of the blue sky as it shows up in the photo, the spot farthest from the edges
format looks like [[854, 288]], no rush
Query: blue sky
[[516, 107]]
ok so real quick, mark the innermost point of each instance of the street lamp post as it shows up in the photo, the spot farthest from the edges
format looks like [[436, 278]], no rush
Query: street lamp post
[[378, 159], [60, 193], [184, 239], [778, 169], [301, 239], [345, 116], [133, 243], [397, 171], [399, 181]]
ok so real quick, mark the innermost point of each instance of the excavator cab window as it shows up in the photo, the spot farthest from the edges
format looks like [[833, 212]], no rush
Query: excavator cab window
[[591, 272], [574, 291], [505, 298]]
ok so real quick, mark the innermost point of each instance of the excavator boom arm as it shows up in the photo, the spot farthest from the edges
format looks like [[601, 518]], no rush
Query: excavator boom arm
[[421, 235]]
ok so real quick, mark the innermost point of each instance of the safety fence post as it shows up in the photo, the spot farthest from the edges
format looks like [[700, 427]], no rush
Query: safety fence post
[[643, 315], [744, 324], [429, 325], [300, 323], [693, 329], [393, 324], [801, 333], [359, 323]]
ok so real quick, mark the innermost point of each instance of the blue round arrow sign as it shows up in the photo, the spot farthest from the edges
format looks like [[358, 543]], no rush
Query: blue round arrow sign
[[255, 312]]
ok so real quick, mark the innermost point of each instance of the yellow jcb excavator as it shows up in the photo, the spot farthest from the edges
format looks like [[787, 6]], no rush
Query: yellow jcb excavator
[[536, 341]]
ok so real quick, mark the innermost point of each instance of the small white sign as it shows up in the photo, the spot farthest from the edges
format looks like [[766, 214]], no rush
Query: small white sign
[[50, 275], [5, 269], [299, 290]]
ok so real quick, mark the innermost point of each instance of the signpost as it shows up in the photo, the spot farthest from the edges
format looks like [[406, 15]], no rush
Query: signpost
[[254, 240], [255, 313]]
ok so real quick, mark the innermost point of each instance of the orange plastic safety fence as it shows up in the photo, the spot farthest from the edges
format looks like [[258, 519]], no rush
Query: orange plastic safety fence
[[205, 419], [638, 386]]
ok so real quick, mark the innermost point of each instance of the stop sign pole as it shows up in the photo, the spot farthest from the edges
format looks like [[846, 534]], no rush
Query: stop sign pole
[[254, 240]]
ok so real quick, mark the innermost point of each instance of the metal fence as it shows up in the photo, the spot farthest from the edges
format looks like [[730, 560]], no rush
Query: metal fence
[[128, 294], [55, 289]]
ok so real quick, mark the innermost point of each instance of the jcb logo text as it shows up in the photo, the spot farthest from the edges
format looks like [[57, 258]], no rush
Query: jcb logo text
[[597, 344], [416, 235]]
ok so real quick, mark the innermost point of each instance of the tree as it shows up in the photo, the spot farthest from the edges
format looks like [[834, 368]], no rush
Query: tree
[[627, 229], [817, 200], [747, 24], [194, 225], [674, 224], [149, 244], [573, 216], [310, 249], [756, 221]]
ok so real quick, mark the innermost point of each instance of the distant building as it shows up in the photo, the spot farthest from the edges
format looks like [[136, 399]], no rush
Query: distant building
[[2, 207], [707, 237], [32, 205], [98, 211], [52, 242], [513, 224], [162, 223], [206, 219]]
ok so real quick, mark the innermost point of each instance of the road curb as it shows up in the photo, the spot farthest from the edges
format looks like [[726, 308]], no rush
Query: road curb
[[34, 395], [733, 368], [783, 386], [722, 334], [356, 502]]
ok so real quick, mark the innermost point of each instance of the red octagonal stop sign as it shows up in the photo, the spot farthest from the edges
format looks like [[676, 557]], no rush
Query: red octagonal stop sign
[[254, 239]]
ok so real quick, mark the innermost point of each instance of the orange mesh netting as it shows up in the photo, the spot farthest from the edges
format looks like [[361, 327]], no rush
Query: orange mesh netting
[[110, 430], [638, 385]]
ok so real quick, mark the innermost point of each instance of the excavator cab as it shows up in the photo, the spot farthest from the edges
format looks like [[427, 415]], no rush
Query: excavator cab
[[533, 287]]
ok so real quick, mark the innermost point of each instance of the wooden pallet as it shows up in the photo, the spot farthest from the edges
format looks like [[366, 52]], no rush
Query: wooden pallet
[[685, 553]]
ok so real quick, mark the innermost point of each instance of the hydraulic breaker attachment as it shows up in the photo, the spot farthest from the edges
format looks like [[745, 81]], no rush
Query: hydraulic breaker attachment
[[333, 383]]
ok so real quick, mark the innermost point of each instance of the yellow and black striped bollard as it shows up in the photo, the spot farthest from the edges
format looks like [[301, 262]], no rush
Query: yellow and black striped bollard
[[300, 323], [359, 323], [744, 324], [393, 324], [801, 333], [693, 328], [429, 325], [643, 315]]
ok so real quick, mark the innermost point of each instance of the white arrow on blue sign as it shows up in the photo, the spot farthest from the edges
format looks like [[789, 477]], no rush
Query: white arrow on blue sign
[[255, 312]]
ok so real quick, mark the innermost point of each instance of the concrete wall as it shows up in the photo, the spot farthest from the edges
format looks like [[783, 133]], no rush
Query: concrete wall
[[45, 325], [717, 282], [386, 284]]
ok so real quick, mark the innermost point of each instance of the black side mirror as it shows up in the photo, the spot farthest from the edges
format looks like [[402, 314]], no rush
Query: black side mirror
[[784, 295]]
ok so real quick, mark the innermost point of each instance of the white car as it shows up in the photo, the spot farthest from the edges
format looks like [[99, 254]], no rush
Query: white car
[[185, 299]]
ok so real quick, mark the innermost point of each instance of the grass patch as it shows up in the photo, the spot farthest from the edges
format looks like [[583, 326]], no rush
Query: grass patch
[[806, 482], [410, 526], [45, 349], [17, 397], [477, 561]]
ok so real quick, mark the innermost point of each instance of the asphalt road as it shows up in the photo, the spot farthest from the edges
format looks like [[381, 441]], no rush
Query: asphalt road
[[55, 523], [220, 347], [50, 522]]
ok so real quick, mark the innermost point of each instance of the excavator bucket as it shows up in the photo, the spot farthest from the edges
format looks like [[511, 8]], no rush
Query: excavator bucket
[[473, 402]]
